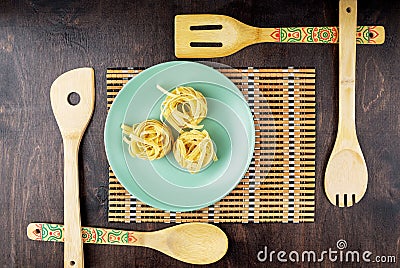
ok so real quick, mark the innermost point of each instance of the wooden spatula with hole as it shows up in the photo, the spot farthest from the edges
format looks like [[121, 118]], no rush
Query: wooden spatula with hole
[[346, 175], [72, 117], [210, 36]]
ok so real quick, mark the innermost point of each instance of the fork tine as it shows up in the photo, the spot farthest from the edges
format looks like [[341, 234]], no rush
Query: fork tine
[[345, 200], [351, 199], [341, 200]]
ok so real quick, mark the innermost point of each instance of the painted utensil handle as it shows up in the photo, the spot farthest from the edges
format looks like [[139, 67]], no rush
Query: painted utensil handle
[[329, 35], [92, 235]]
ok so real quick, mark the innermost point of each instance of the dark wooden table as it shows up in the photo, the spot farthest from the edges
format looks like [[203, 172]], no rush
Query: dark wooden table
[[39, 40]]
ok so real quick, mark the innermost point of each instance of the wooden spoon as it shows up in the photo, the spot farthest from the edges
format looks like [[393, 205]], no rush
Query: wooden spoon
[[346, 175], [196, 243], [72, 117]]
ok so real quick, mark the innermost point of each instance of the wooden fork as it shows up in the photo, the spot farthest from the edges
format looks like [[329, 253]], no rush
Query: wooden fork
[[346, 175]]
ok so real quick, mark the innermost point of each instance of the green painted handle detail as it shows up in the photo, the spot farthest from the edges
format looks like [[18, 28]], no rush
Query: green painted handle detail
[[364, 35], [55, 232]]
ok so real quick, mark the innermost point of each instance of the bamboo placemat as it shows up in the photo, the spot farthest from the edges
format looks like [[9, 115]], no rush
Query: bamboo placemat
[[279, 185]]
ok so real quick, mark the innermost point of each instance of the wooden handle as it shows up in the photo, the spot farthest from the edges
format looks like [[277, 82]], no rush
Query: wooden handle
[[329, 35], [90, 235], [73, 248], [347, 68]]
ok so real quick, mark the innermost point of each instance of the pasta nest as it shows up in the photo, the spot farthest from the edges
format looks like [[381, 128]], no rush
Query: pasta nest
[[149, 139], [194, 150], [184, 108]]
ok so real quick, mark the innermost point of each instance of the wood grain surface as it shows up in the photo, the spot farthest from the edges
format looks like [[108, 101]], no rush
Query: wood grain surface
[[39, 40]]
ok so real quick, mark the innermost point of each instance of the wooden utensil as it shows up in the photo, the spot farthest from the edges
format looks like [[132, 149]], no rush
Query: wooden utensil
[[209, 36], [72, 118], [346, 175], [196, 243]]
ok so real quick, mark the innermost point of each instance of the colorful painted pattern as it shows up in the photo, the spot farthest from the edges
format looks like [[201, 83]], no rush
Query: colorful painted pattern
[[370, 34], [365, 35], [55, 232]]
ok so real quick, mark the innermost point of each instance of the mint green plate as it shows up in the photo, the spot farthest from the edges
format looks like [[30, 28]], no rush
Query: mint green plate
[[229, 123], [114, 148]]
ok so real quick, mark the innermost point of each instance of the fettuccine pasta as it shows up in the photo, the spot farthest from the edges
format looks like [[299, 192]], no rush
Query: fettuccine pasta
[[194, 150], [149, 139], [183, 108]]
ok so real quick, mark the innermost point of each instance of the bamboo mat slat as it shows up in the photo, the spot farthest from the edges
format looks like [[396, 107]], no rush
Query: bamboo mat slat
[[279, 185]]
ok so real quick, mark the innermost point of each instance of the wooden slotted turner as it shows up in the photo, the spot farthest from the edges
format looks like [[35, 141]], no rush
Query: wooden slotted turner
[[209, 36], [346, 175]]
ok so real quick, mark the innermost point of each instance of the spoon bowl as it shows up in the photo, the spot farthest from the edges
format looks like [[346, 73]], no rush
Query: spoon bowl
[[196, 243]]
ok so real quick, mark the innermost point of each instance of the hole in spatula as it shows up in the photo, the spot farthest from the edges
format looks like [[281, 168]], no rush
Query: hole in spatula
[[337, 200], [345, 200], [353, 198], [205, 27], [37, 231], [205, 44], [348, 10], [72, 263], [73, 98], [371, 35]]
